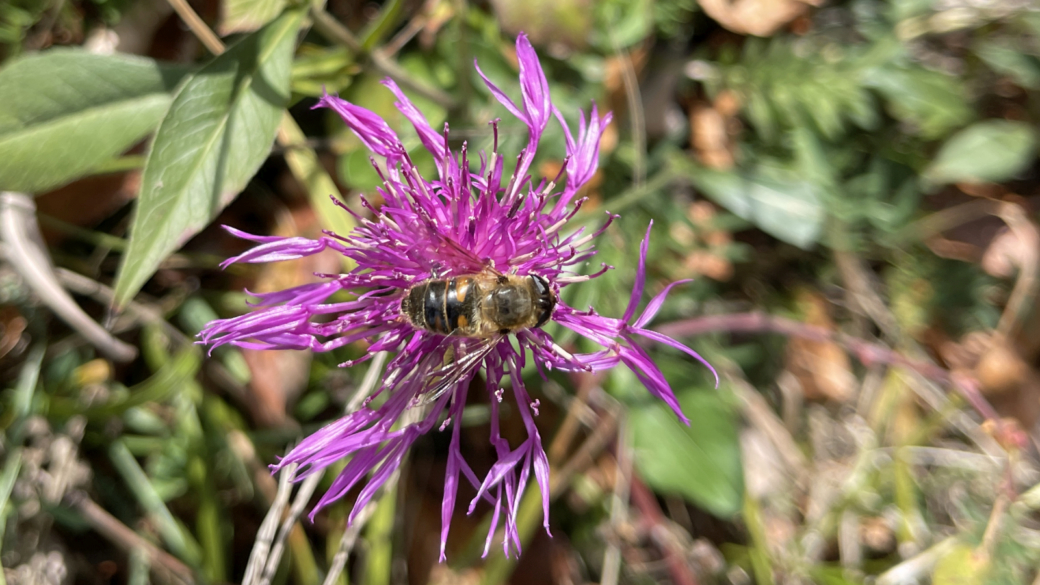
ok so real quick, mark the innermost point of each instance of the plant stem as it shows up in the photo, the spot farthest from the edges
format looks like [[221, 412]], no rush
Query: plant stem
[[330, 28]]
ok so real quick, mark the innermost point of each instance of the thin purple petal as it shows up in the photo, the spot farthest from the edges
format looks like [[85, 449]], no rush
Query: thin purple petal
[[637, 290]]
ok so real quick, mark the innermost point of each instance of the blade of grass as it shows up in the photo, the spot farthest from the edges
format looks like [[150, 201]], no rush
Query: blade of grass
[[7, 478], [177, 539], [209, 521], [28, 378], [383, 25], [21, 405], [195, 313]]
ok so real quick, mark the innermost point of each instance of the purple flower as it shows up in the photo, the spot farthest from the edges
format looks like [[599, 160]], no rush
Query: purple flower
[[465, 221]]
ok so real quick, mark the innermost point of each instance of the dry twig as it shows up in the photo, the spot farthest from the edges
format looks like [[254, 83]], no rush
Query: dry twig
[[164, 566]]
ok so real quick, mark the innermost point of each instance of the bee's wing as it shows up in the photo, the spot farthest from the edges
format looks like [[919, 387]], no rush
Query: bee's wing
[[451, 374], [477, 262]]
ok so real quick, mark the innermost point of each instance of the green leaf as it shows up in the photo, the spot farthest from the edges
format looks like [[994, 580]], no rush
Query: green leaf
[[215, 136], [935, 102], [66, 111], [777, 200], [248, 15], [987, 152], [1023, 68], [700, 462]]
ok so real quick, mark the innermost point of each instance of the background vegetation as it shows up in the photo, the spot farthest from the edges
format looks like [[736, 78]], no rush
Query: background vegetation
[[851, 183]]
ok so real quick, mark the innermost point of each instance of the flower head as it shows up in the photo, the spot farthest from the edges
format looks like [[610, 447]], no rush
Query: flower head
[[471, 219]]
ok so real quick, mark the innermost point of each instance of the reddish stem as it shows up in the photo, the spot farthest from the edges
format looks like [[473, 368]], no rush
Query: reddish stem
[[866, 352], [643, 499]]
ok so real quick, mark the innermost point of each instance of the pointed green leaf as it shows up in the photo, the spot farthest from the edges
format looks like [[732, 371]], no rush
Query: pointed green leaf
[[66, 111], [700, 462], [217, 133], [987, 152], [777, 200]]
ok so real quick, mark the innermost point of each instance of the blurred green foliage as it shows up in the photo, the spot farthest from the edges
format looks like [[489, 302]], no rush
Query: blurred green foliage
[[840, 134]]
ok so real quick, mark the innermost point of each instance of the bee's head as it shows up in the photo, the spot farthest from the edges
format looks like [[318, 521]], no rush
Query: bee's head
[[544, 299]]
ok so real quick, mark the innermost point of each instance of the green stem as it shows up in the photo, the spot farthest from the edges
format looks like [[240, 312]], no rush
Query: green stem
[[379, 535], [140, 565], [331, 29], [98, 239]]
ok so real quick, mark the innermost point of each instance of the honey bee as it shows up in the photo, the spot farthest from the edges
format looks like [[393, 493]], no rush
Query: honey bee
[[482, 305], [481, 308]]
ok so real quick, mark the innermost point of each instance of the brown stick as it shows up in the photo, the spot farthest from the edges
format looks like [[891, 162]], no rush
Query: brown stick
[[164, 566], [569, 427], [198, 26], [586, 454]]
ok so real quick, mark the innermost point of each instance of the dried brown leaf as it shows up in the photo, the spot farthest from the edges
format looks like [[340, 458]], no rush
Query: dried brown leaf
[[711, 142], [755, 17], [821, 367]]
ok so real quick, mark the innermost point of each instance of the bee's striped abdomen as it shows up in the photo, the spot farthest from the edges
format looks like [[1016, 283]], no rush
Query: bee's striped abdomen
[[434, 306], [442, 306], [458, 303]]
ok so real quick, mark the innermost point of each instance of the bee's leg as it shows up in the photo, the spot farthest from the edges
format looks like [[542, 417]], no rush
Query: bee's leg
[[490, 263]]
